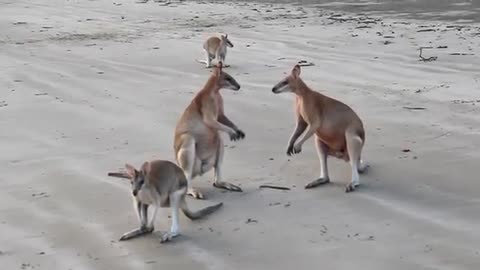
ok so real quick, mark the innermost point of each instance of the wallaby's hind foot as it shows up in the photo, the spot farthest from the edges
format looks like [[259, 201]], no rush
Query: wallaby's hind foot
[[195, 194], [363, 167], [168, 236], [227, 186], [318, 182], [351, 187], [186, 161], [136, 233], [354, 148]]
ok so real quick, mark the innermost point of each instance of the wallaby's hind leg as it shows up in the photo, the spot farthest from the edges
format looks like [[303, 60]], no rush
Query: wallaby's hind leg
[[217, 182], [150, 223], [142, 211], [186, 157], [208, 59], [175, 201], [354, 148], [322, 156], [221, 58]]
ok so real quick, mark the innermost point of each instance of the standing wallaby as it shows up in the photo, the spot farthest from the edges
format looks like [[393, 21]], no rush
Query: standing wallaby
[[159, 183], [338, 129], [216, 47], [198, 144]]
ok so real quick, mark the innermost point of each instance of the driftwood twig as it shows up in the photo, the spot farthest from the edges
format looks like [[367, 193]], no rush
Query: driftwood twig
[[304, 63], [414, 108], [429, 59], [457, 53], [274, 187], [119, 175]]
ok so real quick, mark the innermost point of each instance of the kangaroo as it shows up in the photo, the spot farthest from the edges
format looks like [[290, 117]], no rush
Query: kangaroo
[[216, 47], [338, 129], [159, 183], [198, 145]]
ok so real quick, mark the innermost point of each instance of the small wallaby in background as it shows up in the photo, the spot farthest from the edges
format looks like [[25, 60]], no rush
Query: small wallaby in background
[[159, 183], [338, 129], [198, 145], [216, 48]]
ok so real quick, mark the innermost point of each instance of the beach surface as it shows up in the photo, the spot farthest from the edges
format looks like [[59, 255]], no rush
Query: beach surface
[[87, 86], [467, 11]]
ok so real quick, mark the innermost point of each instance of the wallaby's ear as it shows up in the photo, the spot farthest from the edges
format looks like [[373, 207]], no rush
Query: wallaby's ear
[[296, 71], [131, 171], [226, 35], [218, 68], [146, 168]]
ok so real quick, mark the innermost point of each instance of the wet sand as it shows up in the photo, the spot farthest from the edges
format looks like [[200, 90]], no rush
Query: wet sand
[[89, 85], [464, 11]]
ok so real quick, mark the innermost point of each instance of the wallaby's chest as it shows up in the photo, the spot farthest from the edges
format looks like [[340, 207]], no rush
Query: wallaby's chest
[[307, 110], [216, 104], [145, 196]]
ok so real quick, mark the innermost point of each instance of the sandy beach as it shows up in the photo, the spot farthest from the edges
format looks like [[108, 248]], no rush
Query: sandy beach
[[89, 85]]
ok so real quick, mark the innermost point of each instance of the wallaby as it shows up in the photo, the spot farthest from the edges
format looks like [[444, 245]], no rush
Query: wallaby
[[159, 183], [216, 48], [198, 145], [338, 129]]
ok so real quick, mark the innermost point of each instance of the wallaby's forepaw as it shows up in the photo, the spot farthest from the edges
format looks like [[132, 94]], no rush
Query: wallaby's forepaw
[[295, 149], [168, 236], [195, 194], [240, 134], [227, 186], [319, 181], [351, 187], [237, 135], [290, 150]]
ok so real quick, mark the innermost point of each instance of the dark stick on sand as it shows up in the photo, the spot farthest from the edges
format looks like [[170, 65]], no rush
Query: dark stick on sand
[[429, 59], [119, 175], [414, 108], [274, 187]]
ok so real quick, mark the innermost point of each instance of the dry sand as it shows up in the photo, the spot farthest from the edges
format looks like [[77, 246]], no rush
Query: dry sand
[[89, 85]]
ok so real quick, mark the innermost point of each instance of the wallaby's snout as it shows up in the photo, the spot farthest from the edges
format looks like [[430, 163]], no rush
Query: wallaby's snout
[[288, 84], [235, 86], [136, 188], [228, 42], [225, 79], [231, 84], [281, 87]]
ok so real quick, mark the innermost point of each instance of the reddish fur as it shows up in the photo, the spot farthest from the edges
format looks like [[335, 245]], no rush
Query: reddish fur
[[331, 117], [208, 98]]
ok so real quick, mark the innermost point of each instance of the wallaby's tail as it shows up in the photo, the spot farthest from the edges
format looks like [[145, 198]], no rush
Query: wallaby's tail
[[119, 175], [200, 213]]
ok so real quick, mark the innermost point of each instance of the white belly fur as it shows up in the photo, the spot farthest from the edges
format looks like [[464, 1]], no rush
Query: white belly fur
[[145, 196]]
